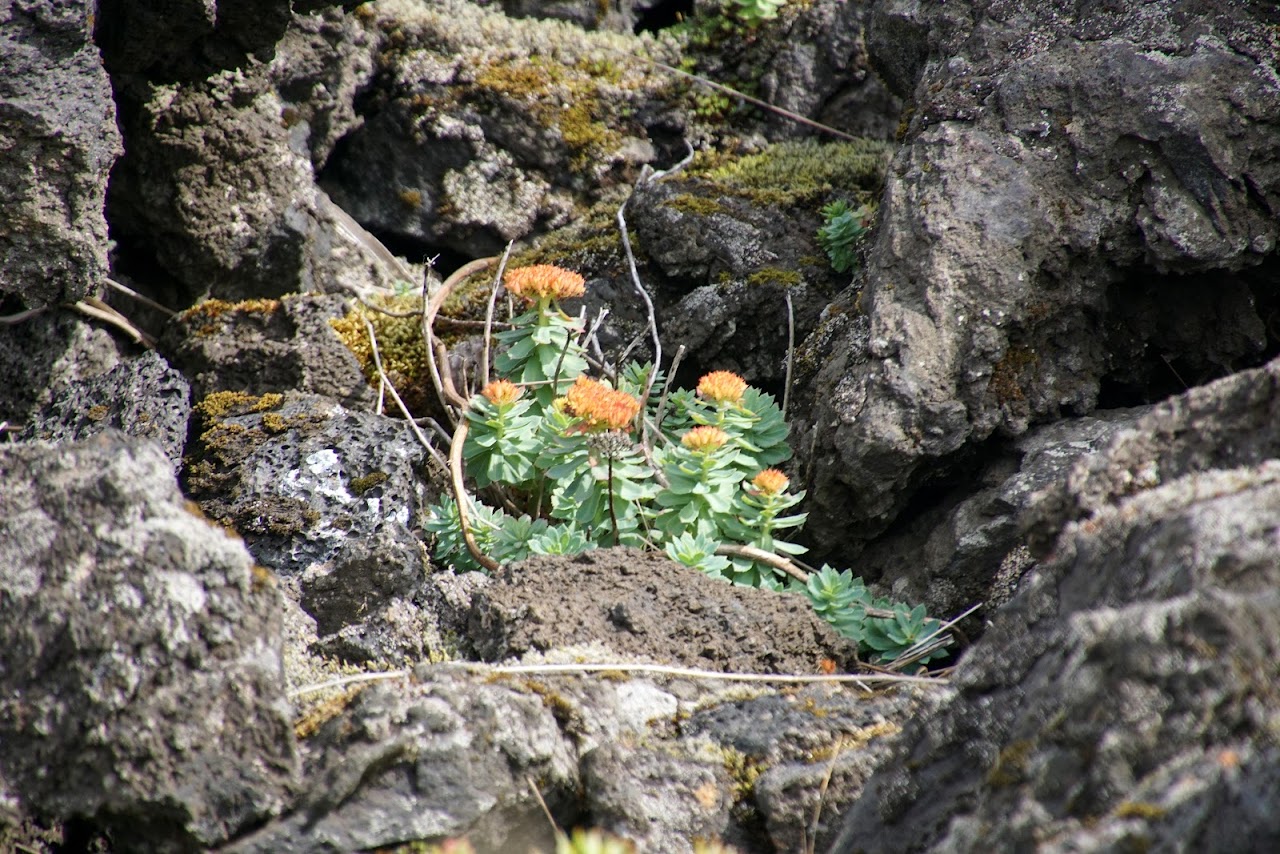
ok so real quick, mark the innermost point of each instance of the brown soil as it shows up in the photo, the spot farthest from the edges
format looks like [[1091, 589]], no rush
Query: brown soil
[[642, 604]]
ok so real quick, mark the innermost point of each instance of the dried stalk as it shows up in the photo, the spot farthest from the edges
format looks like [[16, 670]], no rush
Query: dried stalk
[[488, 311], [862, 680], [431, 307], [404, 410], [791, 351], [460, 496], [99, 310]]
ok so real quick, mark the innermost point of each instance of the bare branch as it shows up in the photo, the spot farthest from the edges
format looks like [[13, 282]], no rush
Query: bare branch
[[791, 350], [404, 410], [461, 498], [488, 311]]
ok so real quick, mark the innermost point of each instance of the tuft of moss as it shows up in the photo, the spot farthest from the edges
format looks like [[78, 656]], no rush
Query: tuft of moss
[[220, 404], [400, 343], [361, 485], [690, 204], [801, 172], [744, 771], [775, 276]]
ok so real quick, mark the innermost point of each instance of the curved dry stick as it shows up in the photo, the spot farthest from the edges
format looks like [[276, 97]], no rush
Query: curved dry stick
[[767, 558], [446, 378], [429, 313], [460, 496]]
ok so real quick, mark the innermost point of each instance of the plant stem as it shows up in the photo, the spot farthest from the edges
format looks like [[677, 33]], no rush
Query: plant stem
[[613, 516]]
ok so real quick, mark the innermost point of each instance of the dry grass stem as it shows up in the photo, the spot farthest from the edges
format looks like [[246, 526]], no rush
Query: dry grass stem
[[385, 382]]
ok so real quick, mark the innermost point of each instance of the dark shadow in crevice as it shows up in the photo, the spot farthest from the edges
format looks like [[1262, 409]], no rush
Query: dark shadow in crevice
[[1166, 333], [662, 15]]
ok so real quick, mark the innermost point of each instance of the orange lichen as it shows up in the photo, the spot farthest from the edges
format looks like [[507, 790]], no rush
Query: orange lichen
[[600, 407], [501, 392], [544, 281], [704, 440], [770, 482], [722, 387]]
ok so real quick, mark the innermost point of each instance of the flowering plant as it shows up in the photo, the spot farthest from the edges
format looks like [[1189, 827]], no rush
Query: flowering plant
[[580, 462]]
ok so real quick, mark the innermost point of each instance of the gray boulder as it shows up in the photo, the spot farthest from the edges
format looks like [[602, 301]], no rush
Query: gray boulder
[[482, 129], [267, 346], [970, 547], [331, 499], [1122, 698], [1054, 232], [141, 396], [60, 142], [141, 674]]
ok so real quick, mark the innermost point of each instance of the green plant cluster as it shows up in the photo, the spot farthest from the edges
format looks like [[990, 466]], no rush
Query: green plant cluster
[[842, 234], [844, 601], [755, 11], [581, 463]]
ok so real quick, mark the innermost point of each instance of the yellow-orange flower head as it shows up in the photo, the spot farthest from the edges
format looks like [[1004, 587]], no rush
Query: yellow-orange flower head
[[770, 482], [722, 387], [600, 407], [704, 440], [544, 281], [501, 392]]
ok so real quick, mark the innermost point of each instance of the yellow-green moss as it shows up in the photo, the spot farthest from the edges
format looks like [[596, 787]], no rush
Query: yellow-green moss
[[775, 276], [400, 344], [211, 311], [800, 172], [744, 771], [96, 412], [564, 98], [220, 404], [696, 205], [361, 485], [324, 711]]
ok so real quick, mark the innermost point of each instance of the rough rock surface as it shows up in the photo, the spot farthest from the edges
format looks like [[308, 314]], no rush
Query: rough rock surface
[[58, 145], [1226, 424], [473, 138], [46, 353], [142, 678], [640, 603], [267, 346], [969, 547], [402, 763], [142, 396], [1046, 232], [217, 189], [1126, 696], [331, 500], [660, 760], [188, 38]]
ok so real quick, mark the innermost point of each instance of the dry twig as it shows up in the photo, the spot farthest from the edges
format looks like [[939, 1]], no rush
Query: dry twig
[[404, 410], [460, 496]]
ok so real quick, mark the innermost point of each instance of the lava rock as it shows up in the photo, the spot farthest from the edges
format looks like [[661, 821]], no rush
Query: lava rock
[[142, 679], [60, 142]]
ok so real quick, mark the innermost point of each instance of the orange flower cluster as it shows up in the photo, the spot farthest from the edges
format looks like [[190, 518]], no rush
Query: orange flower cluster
[[600, 407], [770, 482], [704, 440], [543, 281], [501, 392], [722, 387]]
